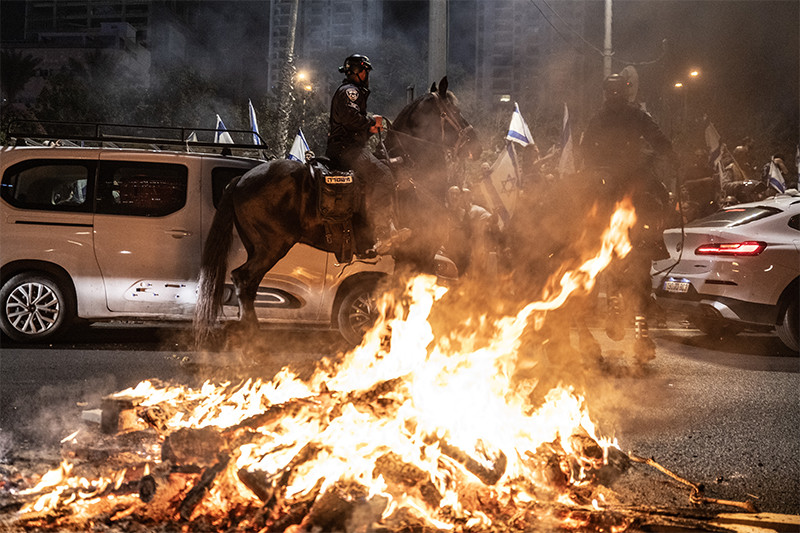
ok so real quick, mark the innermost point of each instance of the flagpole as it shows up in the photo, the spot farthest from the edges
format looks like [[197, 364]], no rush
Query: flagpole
[[607, 50]]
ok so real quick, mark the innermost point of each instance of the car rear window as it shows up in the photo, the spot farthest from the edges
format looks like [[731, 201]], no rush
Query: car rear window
[[733, 216], [49, 185]]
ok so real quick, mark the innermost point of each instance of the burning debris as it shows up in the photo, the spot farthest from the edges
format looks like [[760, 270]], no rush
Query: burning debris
[[405, 435]]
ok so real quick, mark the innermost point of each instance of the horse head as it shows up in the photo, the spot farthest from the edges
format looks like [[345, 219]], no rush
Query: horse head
[[460, 135], [432, 129]]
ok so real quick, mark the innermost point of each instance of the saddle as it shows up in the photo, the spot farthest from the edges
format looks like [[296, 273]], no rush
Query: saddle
[[339, 201]]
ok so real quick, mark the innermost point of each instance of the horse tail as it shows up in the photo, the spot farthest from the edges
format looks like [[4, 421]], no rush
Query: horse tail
[[214, 267]]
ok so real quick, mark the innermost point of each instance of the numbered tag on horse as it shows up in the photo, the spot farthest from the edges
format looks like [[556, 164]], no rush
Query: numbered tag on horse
[[339, 180]]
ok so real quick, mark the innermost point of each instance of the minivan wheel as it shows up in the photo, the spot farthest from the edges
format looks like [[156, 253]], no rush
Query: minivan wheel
[[357, 313], [787, 330], [34, 308]]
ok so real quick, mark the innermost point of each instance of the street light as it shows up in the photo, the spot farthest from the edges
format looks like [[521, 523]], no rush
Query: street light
[[303, 78], [692, 74]]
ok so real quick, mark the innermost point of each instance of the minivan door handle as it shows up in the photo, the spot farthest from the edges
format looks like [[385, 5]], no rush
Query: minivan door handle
[[178, 233]]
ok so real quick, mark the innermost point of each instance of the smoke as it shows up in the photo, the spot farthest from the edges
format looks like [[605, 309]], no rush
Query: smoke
[[6, 444]]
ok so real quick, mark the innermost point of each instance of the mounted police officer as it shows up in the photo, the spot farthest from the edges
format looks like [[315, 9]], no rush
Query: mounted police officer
[[620, 145], [350, 129]]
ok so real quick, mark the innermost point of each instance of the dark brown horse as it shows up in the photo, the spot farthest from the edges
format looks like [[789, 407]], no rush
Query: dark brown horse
[[274, 206]]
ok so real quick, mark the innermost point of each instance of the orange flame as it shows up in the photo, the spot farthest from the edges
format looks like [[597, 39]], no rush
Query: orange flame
[[465, 400]]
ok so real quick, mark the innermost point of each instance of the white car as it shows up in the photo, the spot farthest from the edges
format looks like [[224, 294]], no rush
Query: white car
[[736, 269], [92, 234]]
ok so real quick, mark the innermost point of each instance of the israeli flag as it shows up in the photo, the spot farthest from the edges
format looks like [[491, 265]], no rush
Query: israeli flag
[[566, 163], [253, 122], [221, 134], [518, 131], [299, 148], [776, 178], [713, 143], [192, 138]]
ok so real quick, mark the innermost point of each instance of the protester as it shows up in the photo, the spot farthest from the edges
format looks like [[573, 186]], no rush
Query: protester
[[471, 234], [776, 177]]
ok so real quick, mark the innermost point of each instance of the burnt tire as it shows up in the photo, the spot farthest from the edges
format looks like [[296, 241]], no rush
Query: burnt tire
[[35, 308], [719, 329], [357, 313], [787, 330]]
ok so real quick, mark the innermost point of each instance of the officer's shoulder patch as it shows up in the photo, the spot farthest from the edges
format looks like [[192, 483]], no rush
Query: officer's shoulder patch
[[352, 94]]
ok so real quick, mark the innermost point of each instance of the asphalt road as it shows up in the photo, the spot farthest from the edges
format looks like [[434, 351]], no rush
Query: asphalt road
[[722, 413]]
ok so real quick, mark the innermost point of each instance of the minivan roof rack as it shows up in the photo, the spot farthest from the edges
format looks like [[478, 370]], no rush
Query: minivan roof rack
[[22, 131]]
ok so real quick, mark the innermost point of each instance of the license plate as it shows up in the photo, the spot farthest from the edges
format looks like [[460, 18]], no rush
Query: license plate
[[672, 285]]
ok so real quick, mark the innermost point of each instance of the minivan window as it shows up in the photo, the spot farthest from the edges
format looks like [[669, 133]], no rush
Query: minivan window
[[220, 177], [47, 184], [140, 189]]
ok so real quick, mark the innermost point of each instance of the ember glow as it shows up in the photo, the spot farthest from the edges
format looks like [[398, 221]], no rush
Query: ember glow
[[401, 430]]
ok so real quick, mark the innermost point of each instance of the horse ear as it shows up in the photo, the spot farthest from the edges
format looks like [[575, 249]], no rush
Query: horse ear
[[443, 87], [433, 87]]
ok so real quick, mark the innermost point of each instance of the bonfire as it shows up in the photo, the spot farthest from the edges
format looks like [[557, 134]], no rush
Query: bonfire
[[406, 432]]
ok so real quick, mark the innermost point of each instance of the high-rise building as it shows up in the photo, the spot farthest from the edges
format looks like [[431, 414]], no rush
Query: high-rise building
[[531, 56], [136, 35], [327, 31]]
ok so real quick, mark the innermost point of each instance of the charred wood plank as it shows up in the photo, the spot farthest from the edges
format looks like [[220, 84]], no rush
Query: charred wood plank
[[258, 483], [696, 494], [296, 511], [196, 494], [488, 476], [190, 446], [392, 467], [156, 416], [275, 413]]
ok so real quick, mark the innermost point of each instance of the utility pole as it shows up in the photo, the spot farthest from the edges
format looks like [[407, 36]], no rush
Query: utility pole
[[607, 50], [286, 86], [437, 40]]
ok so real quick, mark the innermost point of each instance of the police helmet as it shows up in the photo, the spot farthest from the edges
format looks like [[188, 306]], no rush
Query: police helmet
[[353, 61], [615, 87]]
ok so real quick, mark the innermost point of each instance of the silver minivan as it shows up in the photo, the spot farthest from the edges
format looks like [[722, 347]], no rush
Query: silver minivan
[[105, 233]]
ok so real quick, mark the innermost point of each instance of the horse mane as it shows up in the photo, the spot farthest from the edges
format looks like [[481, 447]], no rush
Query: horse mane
[[403, 119]]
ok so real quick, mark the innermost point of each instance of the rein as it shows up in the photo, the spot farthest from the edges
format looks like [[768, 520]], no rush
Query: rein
[[445, 118]]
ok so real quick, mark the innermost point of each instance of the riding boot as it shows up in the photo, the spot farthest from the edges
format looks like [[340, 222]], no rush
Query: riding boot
[[615, 329], [644, 349]]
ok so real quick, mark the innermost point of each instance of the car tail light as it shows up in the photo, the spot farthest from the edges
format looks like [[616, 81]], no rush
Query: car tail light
[[732, 248]]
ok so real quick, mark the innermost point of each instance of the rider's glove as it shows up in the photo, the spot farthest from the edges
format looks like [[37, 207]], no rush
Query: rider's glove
[[378, 124]]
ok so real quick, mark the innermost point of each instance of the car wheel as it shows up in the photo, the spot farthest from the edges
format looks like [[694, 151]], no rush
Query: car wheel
[[357, 313], [717, 328], [790, 324], [35, 308]]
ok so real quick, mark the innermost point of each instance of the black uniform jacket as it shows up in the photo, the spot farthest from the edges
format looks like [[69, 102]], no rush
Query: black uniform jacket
[[349, 123], [618, 137]]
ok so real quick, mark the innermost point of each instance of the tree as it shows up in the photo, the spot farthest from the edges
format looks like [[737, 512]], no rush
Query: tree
[[17, 70]]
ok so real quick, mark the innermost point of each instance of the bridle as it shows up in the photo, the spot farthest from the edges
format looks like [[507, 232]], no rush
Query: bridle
[[464, 133]]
